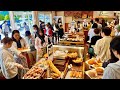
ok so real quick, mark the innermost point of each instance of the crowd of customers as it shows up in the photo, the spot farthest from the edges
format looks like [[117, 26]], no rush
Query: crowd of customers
[[105, 47], [13, 62], [101, 45]]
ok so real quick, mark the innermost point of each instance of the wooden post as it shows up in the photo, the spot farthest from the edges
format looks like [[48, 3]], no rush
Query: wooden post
[[35, 18], [11, 14]]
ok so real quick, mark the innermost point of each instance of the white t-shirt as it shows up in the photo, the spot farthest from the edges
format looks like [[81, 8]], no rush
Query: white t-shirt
[[47, 31], [55, 29], [99, 25], [117, 33], [5, 28], [91, 33]]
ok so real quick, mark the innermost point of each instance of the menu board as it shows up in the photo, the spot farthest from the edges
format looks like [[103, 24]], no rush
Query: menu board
[[50, 50]]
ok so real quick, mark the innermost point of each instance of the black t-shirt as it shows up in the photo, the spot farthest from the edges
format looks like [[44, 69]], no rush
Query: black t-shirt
[[61, 32], [104, 25], [19, 44], [94, 39]]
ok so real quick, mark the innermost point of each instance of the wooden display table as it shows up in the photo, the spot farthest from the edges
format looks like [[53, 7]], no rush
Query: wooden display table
[[71, 43]]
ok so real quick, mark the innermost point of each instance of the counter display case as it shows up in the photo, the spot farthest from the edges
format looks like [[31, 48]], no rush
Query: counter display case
[[70, 56]]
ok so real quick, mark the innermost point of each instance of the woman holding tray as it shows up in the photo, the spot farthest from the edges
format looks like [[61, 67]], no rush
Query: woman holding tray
[[19, 42]]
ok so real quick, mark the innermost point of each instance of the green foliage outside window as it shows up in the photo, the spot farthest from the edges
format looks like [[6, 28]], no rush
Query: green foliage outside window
[[7, 17], [1, 17]]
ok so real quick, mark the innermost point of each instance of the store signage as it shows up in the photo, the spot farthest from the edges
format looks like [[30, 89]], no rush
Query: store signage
[[103, 13], [108, 14], [72, 13], [79, 14]]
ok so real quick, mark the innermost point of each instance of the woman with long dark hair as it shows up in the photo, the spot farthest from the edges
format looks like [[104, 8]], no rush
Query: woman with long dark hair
[[112, 71], [112, 60], [35, 30], [19, 42], [60, 21], [41, 42]]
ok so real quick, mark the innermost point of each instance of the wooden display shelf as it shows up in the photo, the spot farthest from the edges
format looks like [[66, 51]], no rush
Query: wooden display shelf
[[71, 43], [89, 77], [76, 68], [72, 49]]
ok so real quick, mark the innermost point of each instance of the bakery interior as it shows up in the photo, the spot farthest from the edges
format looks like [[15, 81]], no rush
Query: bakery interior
[[68, 54]]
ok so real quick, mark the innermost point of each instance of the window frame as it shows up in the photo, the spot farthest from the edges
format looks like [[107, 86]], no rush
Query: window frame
[[49, 14]]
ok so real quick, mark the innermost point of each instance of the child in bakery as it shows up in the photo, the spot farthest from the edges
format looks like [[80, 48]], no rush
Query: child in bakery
[[41, 42], [112, 71], [8, 65]]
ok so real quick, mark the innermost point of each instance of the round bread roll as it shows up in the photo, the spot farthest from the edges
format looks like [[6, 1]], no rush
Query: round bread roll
[[99, 70], [91, 62], [92, 74], [46, 55]]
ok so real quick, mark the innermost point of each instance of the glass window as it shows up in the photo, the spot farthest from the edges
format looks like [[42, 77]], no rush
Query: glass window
[[23, 16], [41, 17], [4, 16], [47, 18]]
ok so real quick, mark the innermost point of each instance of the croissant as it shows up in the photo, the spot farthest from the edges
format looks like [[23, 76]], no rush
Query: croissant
[[54, 68]]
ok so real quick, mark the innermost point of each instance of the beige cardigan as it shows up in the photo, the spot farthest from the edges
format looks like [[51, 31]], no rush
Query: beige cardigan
[[7, 64], [101, 48]]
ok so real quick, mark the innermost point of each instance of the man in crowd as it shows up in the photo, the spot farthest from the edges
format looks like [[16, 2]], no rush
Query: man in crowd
[[5, 28], [26, 27], [55, 31], [40, 23], [98, 22]]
